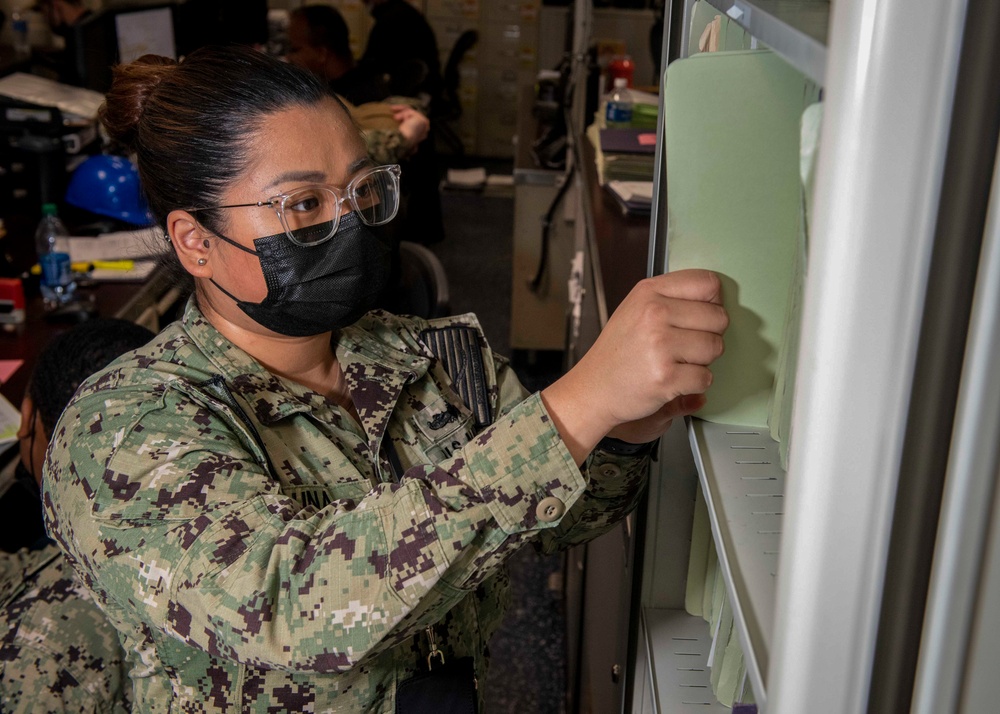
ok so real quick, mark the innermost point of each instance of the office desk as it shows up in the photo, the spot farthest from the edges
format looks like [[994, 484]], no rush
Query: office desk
[[143, 303], [614, 247], [622, 241]]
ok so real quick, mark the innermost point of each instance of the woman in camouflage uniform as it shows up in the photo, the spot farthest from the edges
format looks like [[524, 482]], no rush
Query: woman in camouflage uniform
[[285, 503]]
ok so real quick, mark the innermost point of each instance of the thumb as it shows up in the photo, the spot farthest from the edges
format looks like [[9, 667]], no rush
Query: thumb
[[683, 405]]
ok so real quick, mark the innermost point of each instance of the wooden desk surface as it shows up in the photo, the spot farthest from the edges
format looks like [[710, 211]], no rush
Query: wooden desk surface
[[24, 342], [622, 241]]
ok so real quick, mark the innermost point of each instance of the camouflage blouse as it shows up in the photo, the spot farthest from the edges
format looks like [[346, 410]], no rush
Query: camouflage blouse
[[259, 550], [58, 653]]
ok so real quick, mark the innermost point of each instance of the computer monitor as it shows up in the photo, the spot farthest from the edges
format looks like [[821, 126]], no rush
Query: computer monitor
[[114, 35], [145, 32]]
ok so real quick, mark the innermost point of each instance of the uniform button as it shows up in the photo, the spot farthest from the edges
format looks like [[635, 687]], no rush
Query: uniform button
[[550, 509], [610, 471]]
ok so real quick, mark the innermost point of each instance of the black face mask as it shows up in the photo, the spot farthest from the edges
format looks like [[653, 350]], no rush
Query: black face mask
[[320, 288]]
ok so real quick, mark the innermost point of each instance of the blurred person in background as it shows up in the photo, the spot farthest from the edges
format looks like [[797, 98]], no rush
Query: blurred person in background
[[58, 653], [62, 16], [319, 41]]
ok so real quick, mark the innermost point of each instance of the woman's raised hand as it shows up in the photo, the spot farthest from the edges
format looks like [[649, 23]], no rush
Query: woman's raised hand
[[649, 364]]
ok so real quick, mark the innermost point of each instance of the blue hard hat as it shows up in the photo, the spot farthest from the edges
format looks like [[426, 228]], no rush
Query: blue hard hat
[[109, 185]]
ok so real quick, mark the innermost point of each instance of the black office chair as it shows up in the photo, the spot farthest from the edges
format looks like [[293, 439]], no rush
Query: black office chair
[[449, 107], [423, 285], [407, 79]]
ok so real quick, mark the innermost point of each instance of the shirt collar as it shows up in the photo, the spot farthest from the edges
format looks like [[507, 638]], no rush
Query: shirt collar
[[363, 349]]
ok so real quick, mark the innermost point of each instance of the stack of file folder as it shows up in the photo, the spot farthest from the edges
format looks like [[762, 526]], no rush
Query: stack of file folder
[[623, 154]]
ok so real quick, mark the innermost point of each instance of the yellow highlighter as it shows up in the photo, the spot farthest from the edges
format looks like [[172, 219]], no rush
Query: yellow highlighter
[[92, 265], [109, 265]]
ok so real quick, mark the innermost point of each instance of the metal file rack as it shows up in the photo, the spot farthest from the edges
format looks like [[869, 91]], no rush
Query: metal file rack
[[744, 489], [794, 29], [815, 567]]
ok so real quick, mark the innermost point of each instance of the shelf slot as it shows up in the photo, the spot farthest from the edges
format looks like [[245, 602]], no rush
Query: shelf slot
[[677, 646]]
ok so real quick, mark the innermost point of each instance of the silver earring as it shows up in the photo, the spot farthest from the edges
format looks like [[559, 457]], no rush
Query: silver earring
[[201, 261]]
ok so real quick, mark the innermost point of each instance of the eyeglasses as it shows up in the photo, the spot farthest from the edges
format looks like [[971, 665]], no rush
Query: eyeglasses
[[311, 215]]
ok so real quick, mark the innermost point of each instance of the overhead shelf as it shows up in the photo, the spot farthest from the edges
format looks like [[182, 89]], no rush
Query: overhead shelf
[[795, 29], [744, 490]]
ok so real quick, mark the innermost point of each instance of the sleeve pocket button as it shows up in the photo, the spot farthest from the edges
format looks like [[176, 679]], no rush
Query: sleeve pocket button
[[550, 509]]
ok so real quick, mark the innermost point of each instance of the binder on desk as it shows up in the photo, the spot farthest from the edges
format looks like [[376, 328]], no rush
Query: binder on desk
[[628, 141], [612, 166]]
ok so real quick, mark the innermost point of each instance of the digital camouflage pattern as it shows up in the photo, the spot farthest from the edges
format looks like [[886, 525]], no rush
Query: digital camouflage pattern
[[386, 146], [309, 589], [58, 653]]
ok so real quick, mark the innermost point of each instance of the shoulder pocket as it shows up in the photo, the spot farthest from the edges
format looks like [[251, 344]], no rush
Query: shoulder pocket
[[176, 460]]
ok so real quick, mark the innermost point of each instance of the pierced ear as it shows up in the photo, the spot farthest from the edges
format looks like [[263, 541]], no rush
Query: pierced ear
[[191, 242]]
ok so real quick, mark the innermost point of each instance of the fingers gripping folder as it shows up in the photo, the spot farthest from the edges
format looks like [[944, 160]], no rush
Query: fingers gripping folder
[[457, 348]]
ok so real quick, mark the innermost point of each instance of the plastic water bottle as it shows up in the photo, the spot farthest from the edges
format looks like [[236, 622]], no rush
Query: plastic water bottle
[[618, 113], [56, 280], [19, 25]]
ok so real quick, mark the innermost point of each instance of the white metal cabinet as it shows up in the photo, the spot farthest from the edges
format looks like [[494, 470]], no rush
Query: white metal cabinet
[[902, 88]]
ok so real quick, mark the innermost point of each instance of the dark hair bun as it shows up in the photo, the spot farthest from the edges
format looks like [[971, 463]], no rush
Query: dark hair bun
[[125, 102]]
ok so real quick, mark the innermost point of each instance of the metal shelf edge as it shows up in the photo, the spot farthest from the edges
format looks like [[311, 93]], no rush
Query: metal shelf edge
[[745, 527], [800, 45]]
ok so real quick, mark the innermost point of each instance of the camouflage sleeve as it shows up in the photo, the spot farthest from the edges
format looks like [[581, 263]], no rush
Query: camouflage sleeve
[[615, 483], [385, 146], [614, 486], [169, 515], [58, 653]]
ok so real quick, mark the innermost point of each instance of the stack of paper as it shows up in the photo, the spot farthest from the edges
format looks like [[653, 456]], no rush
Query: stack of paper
[[474, 179], [634, 197], [628, 154], [74, 101], [10, 422], [622, 154], [119, 256]]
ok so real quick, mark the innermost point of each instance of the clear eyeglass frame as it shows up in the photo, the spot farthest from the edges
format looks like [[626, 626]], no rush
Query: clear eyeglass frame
[[355, 192]]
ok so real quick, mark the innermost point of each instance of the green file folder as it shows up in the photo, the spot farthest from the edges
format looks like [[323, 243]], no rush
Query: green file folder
[[732, 124], [780, 418], [701, 539]]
